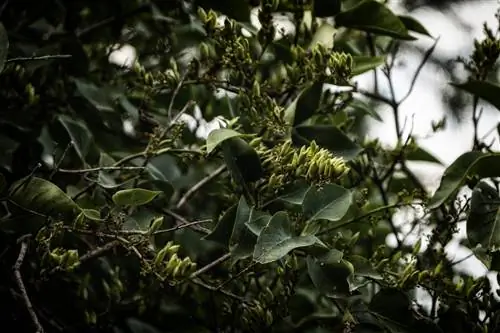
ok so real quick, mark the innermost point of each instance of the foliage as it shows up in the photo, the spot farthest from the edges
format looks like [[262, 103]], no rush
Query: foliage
[[117, 217]]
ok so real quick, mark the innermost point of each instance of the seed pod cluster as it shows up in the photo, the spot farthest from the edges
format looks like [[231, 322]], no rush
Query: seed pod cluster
[[170, 266], [67, 260]]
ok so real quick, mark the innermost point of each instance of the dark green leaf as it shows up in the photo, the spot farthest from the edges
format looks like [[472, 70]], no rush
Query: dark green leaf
[[483, 222], [421, 154], [224, 228], [242, 160], [79, 134], [468, 164], [329, 137], [330, 202], [257, 221], [392, 308], [92, 214], [364, 64], [43, 197], [375, 17], [295, 197], [414, 25], [330, 273], [242, 217], [276, 240], [363, 267], [4, 46], [134, 197], [363, 108], [304, 106], [98, 97], [216, 137], [488, 91], [164, 167]]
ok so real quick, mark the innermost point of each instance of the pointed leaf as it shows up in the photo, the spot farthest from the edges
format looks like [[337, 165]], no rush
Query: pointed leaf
[[4, 46], [414, 25], [43, 197], [92, 214], [134, 197], [304, 106], [224, 228], [242, 217], [324, 35], [328, 137], [360, 106], [331, 202], [364, 268], [330, 273], [276, 240], [364, 64], [468, 164], [79, 134], [488, 91], [295, 197], [216, 137], [242, 160], [257, 221], [483, 222], [421, 154], [98, 97], [372, 16]]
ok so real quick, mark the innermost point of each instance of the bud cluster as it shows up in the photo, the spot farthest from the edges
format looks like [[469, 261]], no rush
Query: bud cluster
[[286, 163], [170, 266]]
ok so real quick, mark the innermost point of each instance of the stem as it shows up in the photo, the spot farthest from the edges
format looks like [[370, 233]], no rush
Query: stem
[[199, 185]]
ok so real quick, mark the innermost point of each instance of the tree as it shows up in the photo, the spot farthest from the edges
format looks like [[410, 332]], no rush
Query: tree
[[116, 217]]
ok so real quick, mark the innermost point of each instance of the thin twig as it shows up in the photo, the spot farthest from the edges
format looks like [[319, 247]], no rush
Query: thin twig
[[185, 222], [22, 287], [37, 58], [199, 185], [426, 57], [109, 168], [222, 291], [210, 265]]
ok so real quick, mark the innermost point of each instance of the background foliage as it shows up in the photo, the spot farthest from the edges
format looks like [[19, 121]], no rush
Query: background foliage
[[116, 217]]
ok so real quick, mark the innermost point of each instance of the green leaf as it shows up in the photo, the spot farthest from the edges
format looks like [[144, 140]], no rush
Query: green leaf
[[98, 97], [242, 161], [224, 228], [421, 154], [257, 221], [79, 134], [276, 240], [326, 8], [468, 164], [483, 222], [42, 197], [92, 214], [392, 308], [363, 267], [295, 197], [330, 273], [134, 197], [4, 46], [363, 108], [304, 106], [330, 202], [414, 25], [328, 137], [364, 64], [216, 137], [372, 16], [242, 217], [486, 90]]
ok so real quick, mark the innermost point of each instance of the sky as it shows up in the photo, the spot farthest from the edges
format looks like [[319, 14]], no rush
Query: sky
[[422, 107]]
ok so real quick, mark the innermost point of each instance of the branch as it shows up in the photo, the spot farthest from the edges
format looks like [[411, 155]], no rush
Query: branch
[[109, 168], [199, 185], [184, 222], [20, 284], [37, 58], [210, 265]]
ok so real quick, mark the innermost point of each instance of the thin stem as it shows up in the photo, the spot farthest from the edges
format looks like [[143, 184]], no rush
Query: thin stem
[[210, 265], [39, 58], [20, 284], [199, 185], [109, 168]]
